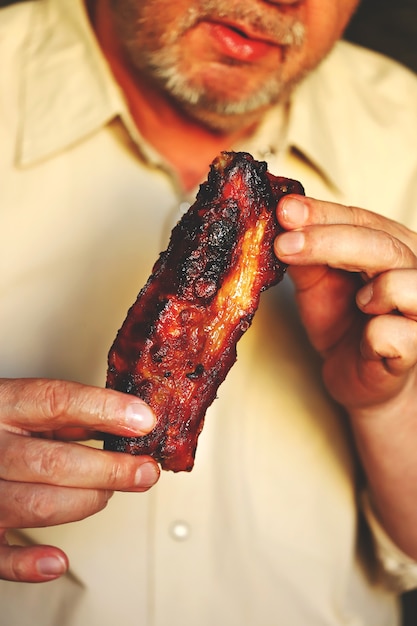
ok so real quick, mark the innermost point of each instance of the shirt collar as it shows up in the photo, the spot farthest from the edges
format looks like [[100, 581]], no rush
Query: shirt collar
[[63, 58], [313, 128]]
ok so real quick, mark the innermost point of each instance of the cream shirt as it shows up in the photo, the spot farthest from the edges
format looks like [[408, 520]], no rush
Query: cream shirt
[[266, 529]]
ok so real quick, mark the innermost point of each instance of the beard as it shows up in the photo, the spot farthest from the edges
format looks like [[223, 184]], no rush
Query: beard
[[167, 73], [154, 48]]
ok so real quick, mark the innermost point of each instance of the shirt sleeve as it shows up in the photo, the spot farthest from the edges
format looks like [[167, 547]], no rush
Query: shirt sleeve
[[398, 569]]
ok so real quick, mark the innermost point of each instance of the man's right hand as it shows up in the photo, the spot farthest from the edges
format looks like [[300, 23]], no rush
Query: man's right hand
[[47, 479]]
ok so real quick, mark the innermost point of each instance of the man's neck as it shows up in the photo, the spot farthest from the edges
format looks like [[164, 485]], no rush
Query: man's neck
[[187, 145]]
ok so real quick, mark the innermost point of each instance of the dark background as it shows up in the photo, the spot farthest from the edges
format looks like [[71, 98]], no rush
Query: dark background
[[388, 26]]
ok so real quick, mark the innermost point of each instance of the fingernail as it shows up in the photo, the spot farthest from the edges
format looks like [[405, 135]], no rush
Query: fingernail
[[140, 417], [294, 211], [51, 566], [364, 295], [146, 475], [290, 243]]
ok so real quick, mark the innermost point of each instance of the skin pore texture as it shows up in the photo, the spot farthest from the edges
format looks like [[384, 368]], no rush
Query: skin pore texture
[[210, 68]]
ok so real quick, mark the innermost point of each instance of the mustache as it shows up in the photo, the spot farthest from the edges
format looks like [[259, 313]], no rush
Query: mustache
[[269, 23]]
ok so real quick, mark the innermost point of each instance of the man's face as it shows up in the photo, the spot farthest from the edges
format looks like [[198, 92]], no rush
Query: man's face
[[221, 59]]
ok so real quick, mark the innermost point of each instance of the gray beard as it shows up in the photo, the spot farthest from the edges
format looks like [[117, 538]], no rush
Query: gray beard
[[162, 67], [194, 98]]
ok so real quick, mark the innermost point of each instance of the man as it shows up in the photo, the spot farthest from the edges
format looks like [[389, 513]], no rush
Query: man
[[111, 114]]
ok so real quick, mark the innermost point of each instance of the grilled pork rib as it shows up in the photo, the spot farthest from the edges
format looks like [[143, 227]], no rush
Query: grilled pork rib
[[179, 338]]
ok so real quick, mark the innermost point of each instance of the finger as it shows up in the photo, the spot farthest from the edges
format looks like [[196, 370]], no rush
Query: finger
[[391, 291], [295, 212], [31, 564], [393, 340], [333, 296], [42, 404], [32, 460], [71, 433], [339, 246], [24, 505]]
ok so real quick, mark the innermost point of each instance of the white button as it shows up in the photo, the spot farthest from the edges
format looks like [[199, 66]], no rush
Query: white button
[[179, 530]]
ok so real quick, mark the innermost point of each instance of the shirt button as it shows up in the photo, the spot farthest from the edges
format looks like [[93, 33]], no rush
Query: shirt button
[[179, 530]]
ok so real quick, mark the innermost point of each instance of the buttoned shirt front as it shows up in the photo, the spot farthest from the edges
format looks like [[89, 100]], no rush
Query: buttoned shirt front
[[265, 530]]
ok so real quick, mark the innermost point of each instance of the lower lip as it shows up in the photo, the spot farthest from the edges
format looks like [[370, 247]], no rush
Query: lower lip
[[234, 45]]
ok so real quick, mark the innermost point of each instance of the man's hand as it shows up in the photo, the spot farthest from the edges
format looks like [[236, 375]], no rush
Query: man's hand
[[355, 274], [358, 274], [46, 479]]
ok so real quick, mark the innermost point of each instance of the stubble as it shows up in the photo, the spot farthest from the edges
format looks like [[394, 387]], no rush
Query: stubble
[[155, 50]]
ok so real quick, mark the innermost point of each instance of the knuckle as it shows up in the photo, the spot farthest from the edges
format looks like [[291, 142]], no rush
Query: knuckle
[[366, 219], [46, 508], [41, 508], [46, 461], [17, 566], [359, 217], [399, 253], [54, 398], [7, 460], [88, 502], [104, 406], [101, 499], [118, 475], [362, 218]]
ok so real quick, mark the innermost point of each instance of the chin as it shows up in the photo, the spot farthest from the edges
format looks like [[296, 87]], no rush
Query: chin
[[220, 109], [223, 121]]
